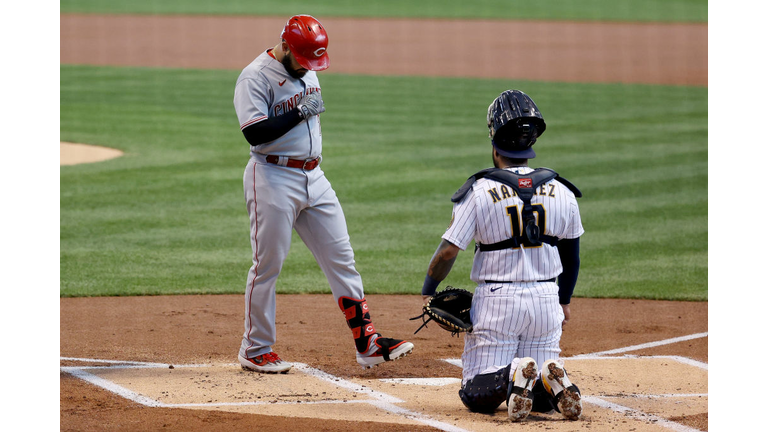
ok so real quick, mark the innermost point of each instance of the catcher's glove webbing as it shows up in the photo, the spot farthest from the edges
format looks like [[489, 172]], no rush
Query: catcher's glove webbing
[[450, 309]]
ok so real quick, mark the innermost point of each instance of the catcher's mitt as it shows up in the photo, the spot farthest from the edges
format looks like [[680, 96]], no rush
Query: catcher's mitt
[[450, 309]]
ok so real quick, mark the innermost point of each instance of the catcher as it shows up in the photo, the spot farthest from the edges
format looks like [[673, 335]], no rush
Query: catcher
[[526, 226]]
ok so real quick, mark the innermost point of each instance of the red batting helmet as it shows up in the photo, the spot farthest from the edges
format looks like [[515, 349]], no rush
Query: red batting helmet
[[308, 42]]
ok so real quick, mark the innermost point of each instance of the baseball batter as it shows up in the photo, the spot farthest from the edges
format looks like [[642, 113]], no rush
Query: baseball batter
[[278, 102], [526, 226]]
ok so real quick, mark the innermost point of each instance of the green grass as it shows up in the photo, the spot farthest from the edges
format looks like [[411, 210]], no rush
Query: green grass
[[169, 217], [583, 10]]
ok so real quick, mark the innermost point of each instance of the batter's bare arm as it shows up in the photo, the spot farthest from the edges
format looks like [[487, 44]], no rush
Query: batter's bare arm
[[439, 267]]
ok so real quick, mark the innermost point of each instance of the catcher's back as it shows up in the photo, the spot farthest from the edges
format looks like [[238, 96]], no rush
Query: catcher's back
[[492, 212]]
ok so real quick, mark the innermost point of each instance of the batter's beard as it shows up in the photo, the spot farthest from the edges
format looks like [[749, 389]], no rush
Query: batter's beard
[[292, 72]]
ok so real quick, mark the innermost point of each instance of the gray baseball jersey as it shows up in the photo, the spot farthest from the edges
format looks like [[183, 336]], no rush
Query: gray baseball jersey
[[520, 316], [280, 199], [264, 90]]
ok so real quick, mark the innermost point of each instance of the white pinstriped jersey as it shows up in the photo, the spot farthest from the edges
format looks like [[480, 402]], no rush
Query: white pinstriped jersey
[[265, 90], [490, 210]]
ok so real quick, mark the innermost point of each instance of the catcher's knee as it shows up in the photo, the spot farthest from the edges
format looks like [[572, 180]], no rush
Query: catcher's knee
[[485, 392]]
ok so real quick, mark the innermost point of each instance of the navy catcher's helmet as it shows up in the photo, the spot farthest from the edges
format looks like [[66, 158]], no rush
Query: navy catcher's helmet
[[514, 123]]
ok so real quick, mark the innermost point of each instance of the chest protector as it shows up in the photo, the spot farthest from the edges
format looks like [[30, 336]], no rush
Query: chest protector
[[525, 185]]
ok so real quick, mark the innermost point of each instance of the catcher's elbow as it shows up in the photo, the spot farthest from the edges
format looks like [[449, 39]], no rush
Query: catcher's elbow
[[448, 250]]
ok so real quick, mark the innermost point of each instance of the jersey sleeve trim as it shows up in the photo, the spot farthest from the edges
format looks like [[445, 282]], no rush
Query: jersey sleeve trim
[[252, 121]]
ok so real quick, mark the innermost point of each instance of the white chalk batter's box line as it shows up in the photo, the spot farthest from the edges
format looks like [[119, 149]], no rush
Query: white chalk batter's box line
[[382, 400], [603, 355]]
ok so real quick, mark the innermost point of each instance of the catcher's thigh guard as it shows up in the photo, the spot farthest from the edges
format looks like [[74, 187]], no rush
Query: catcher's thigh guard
[[485, 392]]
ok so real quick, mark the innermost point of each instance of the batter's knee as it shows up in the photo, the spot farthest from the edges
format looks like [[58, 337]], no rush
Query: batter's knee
[[485, 392]]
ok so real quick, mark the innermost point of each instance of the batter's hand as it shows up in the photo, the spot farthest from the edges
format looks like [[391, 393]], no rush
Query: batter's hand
[[567, 313], [311, 105]]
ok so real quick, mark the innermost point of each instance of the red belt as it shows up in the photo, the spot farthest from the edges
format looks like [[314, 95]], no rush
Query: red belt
[[308, 165]]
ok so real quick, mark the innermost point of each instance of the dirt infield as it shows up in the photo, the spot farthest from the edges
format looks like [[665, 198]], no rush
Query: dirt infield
[[206, 330], [168, 362]]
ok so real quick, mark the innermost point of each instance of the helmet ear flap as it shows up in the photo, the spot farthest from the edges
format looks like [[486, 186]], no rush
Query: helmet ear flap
[[518, 134]]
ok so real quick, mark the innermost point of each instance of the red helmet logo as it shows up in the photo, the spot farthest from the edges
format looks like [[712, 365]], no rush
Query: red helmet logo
[[308, 42]]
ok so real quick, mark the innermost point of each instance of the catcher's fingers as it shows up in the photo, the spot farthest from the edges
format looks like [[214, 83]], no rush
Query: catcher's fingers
[[425, 299]]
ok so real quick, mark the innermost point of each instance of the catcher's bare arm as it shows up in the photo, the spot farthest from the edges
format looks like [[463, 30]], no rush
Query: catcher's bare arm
[[439, 267]]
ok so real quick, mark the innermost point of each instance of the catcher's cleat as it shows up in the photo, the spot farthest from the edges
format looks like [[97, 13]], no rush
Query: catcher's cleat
[[266, 363], [384, 350], [566, 394], [519, 396]]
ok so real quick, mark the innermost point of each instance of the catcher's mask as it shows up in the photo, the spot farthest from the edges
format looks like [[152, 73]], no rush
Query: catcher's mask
[[514, 123], [308, 42]]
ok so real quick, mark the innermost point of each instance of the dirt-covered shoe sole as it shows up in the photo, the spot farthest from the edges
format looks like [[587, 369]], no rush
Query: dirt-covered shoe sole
[[557, 383], [519, 402]]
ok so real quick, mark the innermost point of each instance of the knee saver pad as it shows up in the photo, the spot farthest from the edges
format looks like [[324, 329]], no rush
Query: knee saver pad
[[485, 392]]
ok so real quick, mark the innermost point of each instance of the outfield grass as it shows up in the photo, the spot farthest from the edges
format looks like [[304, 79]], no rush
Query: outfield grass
[[169, 216], [583, 10]]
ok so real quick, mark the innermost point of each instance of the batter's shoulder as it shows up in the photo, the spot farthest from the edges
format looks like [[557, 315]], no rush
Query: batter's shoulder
[[311, 80], [258, 68]]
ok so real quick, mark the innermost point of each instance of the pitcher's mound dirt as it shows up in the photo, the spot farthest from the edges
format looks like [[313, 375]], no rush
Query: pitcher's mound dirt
[[73, 154]]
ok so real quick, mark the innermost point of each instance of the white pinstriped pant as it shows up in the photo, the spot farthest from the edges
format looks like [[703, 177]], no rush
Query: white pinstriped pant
[[512, 320]]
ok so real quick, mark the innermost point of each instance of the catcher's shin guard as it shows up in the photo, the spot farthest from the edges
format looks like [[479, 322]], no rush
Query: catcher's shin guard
[[359, 320], [485, 392]]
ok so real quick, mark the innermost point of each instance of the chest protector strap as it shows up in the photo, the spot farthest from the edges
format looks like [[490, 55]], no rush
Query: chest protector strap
[[525, 185]]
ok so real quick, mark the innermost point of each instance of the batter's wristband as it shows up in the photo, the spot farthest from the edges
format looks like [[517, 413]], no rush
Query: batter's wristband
[[430, 286]]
